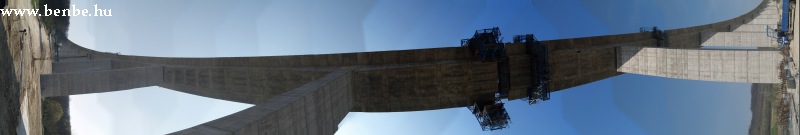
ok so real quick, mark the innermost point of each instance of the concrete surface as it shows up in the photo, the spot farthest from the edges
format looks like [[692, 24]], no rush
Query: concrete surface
[[412, 80], [748, 66], [314, 108]]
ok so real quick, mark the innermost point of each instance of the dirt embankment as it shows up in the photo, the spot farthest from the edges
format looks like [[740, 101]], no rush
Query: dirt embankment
[[763, 102], [9, 85]]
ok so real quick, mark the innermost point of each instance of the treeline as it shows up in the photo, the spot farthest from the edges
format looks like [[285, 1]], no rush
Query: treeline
[[57, 25], [55, 116]]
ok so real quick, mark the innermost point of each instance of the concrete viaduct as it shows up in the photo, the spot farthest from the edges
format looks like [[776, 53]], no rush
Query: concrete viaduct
[[311, 94]]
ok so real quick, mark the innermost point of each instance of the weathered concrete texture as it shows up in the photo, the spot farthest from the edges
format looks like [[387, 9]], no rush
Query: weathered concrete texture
[[755, 39], [690, 37], [409, 80], [315, 108], [93, 65], [80, 66], [768, 16], [568, 68], [68, 53], [768, 21], [690, 41], [424, 86], [121, 64], [574, 68], [681, 38], [70, 50], [573, 44], [751, 66], [65, 84], [753, 28], [770, 10], [520, 68], [244, 85], [771, 19]]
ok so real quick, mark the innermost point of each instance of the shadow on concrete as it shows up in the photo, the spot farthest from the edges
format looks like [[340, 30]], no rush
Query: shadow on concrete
[[625, 54], [9, 87]]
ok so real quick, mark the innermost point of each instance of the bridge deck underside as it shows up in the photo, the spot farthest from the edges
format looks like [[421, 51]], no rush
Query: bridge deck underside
[[751, 39]]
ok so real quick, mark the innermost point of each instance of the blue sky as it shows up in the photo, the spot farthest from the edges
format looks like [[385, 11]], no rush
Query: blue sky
[[626, 104]]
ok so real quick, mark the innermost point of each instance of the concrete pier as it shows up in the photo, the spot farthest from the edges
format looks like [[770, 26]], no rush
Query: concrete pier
[[65, 84], [751, 39], [750, 66]]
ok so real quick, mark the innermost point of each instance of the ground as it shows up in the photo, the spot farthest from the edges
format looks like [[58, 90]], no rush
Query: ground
[[764, 98], [9, 89], [793, 93], [30, 53]]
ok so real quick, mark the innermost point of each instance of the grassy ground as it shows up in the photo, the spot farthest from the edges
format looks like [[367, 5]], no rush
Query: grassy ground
[[764, 105], [55, 115]]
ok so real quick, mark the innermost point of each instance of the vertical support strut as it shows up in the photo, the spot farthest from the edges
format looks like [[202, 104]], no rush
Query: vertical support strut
[[778, 35], [491, 115], [503, 78], [540, 72]]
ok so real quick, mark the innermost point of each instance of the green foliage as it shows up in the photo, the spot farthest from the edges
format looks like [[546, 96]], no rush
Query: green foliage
[[54, 24], [55, 116], [52, 112]]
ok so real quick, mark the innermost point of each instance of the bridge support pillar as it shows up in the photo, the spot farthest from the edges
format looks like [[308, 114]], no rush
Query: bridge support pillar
[[314, 108], [65, 84], [750, 66]]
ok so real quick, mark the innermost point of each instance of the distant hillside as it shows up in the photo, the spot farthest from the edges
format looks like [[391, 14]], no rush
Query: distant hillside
[[762, 102]]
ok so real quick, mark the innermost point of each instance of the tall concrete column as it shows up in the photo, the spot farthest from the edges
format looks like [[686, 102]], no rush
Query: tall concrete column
[[94, 65], [315, 108], [423, 86], [752, 33], [754, 28], [244, 85], [752, 39], [80, 66], [74, 83], [764, 21], [750, 66], [410, 80]]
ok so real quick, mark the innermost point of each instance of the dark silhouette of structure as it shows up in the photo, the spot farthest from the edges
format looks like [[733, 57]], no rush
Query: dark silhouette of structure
[[311, 94]]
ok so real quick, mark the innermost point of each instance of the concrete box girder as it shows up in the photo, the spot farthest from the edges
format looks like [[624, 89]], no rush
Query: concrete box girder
[[65, 84], [314, 108]]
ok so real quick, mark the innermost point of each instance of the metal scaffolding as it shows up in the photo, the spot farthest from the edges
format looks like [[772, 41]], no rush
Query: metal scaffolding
[[540, 71], [487, 46], [491, 115]]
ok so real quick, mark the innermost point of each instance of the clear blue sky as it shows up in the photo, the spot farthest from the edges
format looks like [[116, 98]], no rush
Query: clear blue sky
[[626, 104]]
